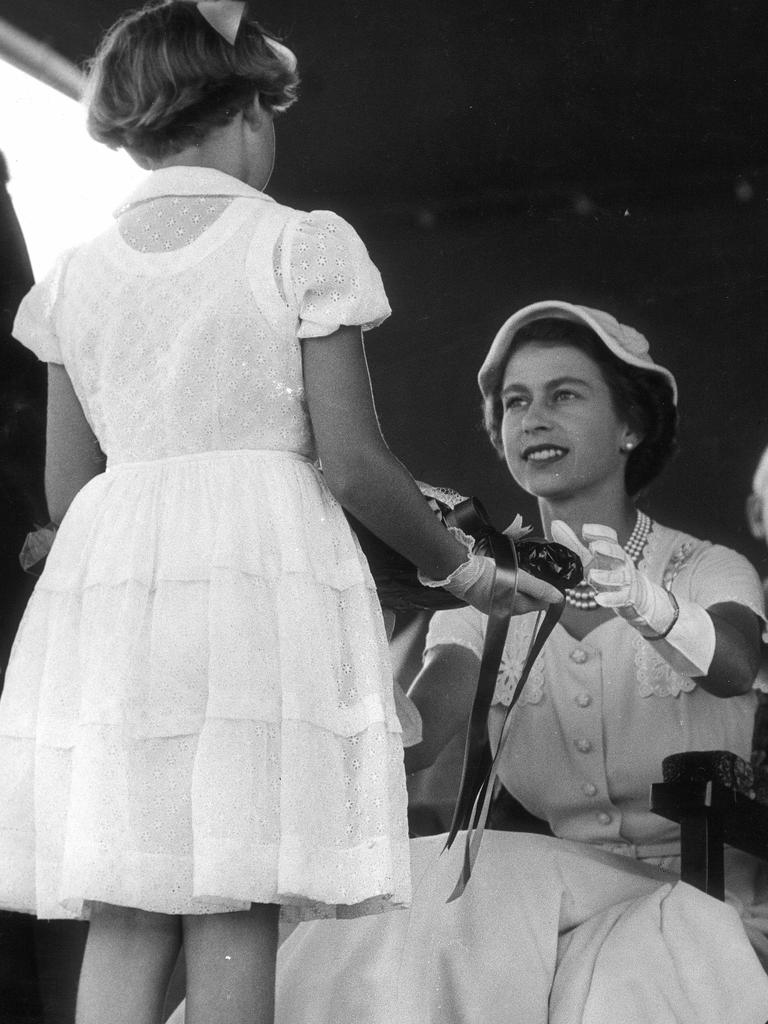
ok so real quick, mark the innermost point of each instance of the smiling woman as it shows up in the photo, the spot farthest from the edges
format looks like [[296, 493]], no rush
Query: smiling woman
[[590, 923], [561, 432]]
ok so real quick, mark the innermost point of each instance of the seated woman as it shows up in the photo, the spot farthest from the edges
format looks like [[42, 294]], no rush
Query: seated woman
[[655, 654]]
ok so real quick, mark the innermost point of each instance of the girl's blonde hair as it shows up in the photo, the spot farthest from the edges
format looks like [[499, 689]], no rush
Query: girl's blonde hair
[[162, 77]]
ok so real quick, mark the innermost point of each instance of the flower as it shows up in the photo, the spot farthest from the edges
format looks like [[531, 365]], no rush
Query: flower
[[516, 530]]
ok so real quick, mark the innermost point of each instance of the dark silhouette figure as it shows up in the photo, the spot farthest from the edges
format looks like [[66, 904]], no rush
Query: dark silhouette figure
[[39, 960], [22, 426]]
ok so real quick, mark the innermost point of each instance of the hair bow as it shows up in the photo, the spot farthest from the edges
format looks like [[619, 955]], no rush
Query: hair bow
[[225, 16]]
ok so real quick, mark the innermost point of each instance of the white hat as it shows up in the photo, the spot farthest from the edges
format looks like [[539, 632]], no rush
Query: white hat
[[626, 343]]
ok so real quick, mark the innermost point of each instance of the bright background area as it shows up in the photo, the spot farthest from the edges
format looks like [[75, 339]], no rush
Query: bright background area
[[63, 184]]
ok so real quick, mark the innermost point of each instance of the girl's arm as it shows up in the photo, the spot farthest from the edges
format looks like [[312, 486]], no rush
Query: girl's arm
[[443, 692], [72, 453], [364, 475]]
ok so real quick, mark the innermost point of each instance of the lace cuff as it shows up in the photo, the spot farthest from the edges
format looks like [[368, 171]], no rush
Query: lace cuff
[[464, 575]]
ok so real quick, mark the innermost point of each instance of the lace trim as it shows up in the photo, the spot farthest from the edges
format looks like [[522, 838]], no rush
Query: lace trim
[[676, 563], [167, 224], [655, 677], [513, 659]]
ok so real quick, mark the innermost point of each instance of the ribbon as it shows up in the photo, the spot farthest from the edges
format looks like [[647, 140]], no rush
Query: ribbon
[[480, 769], [225, 16]]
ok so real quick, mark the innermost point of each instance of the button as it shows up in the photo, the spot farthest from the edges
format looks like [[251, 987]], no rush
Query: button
[[604, 819], [583, 700], [578, 655], [583, 746], [589, 789]]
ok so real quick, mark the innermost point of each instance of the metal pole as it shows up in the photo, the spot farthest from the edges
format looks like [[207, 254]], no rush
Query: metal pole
[[40, 60]]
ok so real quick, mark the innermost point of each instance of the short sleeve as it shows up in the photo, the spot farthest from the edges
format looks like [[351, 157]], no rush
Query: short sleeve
[[716, 575], [332, 278], [35, 323], [460, 627]]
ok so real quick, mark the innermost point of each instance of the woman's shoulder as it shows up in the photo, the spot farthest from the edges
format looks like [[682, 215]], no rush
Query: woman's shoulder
[[460, 627], [682, 561], [668, 550]]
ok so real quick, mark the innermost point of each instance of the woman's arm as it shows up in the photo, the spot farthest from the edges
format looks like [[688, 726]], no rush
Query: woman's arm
[[72, 453], [717, 645], [443, 692], [364, 475], [736, 659]]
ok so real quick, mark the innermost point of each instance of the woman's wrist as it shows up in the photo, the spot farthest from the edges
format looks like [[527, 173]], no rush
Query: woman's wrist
[[688, 645]]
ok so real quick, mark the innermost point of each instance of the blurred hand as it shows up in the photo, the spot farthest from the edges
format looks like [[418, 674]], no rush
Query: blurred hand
[[389, 621]]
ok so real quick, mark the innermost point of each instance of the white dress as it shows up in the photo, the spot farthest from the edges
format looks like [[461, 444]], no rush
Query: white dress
[[198, 710], [591, 927]]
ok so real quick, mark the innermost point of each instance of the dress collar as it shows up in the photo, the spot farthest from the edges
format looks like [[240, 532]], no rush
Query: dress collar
[[181, 180]]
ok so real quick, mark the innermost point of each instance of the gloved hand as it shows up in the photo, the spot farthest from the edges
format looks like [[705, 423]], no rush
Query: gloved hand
[[473, 581], [532, 594], [617, 582], [685, 629]]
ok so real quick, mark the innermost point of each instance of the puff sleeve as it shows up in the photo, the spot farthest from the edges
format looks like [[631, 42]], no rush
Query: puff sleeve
[[333, 281], [716, 574], [460, 627], [35, 323]]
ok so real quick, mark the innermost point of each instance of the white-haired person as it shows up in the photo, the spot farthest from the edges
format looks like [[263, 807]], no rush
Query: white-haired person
[[656, 652], [757, 502], [198, 725]]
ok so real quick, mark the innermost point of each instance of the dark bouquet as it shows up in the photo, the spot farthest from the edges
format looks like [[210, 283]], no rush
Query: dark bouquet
[[397, 579]]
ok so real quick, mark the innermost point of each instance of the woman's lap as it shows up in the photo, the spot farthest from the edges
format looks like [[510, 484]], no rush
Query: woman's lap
[[546, 931]]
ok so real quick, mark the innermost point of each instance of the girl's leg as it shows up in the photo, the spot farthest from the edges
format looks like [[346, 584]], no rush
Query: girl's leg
[[231, 966], [129, 956]]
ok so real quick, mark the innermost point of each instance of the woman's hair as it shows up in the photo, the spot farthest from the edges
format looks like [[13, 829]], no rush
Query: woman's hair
[[162, 77], [643, 398]]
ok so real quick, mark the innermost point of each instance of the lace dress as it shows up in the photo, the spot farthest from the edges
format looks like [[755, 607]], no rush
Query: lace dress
[[593, 926], [198, 710]]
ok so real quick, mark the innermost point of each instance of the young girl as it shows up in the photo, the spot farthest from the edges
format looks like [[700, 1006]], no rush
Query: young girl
[[198, 725], [655, 654]]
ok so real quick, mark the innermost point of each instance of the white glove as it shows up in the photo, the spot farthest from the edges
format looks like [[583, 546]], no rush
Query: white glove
[[687, 631], [612, 574], [473, 581]]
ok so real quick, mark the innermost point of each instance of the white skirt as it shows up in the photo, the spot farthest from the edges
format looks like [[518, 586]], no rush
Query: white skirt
[[546, 932], [198, 709]]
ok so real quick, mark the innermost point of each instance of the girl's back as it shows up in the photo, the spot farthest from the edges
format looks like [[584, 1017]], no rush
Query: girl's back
[[178, 325]]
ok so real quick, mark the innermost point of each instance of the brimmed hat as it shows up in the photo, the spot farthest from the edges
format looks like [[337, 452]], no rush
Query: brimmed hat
[[626, 343]]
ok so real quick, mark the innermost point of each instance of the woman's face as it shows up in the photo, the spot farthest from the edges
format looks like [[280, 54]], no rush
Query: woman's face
[[561, 434]]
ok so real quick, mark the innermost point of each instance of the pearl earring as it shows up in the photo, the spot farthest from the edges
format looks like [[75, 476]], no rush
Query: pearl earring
[[628, 446]]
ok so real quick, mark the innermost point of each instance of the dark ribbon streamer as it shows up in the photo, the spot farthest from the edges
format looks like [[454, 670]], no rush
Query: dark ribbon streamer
[[480, 769]]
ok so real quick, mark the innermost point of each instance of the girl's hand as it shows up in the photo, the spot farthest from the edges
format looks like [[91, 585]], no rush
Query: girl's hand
[[389, 621], [531, 594]]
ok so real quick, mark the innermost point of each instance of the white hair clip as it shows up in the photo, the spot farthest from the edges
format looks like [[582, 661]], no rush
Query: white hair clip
[[225, 16]]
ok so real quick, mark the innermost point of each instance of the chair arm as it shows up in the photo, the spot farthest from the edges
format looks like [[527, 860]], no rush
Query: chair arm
[[712, 795]]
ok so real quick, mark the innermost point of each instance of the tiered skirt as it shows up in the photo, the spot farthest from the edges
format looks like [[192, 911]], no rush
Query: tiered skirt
[[198, 709]]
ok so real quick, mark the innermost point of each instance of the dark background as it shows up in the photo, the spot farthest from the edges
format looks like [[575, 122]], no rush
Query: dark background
[[612, 153]]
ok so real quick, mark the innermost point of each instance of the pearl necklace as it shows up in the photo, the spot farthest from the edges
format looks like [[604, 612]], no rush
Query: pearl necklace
[[582, 595]]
